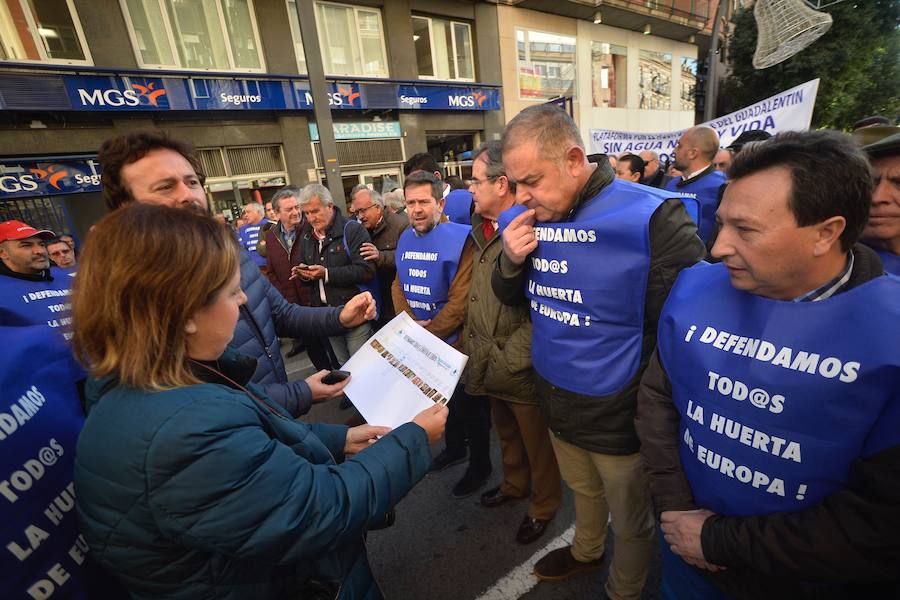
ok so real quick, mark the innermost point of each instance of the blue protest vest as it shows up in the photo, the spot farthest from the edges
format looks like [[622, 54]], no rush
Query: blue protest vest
[[458, 207], [889, 260], [249, 236], [426, 266], [778, 398], [44, 303], [706, 191], [586, 282], [372, 285], [40, 419]]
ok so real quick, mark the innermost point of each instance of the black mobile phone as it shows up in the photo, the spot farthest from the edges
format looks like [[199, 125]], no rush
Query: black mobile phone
[[335, 377]]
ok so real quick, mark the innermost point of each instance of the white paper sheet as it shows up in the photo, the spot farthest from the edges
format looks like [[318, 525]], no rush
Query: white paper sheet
[[400, 371]]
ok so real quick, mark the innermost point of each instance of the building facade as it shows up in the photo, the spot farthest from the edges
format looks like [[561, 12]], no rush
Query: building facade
[[230, 76], [403, 76]]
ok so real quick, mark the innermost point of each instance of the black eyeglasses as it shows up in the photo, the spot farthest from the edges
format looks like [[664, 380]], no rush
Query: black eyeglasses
[[356, 213]]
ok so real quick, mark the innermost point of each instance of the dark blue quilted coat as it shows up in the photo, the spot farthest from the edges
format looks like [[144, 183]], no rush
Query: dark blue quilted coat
[[264, 318], [204, 492]]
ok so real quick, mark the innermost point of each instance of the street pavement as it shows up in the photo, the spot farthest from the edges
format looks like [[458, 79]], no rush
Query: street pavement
[[441, 548]]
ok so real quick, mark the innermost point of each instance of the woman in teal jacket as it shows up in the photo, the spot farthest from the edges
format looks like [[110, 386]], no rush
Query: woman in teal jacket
[[190, 483]]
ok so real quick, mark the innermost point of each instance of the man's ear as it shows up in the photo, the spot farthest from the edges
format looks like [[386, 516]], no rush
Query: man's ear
[[828, 234], [574, 159]]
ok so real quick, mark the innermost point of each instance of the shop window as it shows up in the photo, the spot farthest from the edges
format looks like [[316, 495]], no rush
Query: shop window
[[688, 84], [655, 76], [443, 49], [609, 75], [351, 39], [45, 31], [202, 35], [546, 64]]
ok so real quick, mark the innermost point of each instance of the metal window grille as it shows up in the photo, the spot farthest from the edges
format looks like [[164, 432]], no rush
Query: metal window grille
[[247, 160]]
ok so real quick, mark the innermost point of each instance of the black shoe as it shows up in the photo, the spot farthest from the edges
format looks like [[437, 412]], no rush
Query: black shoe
[[446, 459], [470, 483], [296, 349], [494, 498], [531, 529], [559, 564]]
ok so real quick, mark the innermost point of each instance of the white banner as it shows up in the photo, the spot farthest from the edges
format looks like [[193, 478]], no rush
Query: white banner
[[790, 110]]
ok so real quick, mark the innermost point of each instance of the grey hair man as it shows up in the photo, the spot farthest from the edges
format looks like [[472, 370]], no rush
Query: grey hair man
[[384, 228], [394, 202], [587, 367], [331, 262], [250, 234]]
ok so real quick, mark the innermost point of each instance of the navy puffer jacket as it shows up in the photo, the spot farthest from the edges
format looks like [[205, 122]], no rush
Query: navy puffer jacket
[[265, 317], [204, 492]]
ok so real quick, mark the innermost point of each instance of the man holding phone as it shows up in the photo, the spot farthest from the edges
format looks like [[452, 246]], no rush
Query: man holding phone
[[331, 262]]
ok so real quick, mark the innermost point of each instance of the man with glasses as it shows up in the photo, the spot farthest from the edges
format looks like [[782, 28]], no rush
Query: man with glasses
[[384, 228], [61, 253]]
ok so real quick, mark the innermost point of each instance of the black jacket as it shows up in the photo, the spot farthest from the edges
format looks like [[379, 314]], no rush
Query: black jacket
[[852, 537], [606, 424], [345, 271]]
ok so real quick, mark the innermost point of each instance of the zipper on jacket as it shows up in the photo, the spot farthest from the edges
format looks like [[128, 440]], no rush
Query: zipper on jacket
[[262, 340]]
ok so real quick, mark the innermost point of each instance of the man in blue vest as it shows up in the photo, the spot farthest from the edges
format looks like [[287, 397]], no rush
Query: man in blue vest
[[457, 203], [250, 234], [434, 272], [594, 256], [694, 154], [882, 231], [770, 414], [31, 292]]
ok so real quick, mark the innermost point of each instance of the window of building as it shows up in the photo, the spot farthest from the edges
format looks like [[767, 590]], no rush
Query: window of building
[[45, 31], [546, 64], [609, 75], [688, 83], [351, 39], [443, 49], [655, 76], [202, 35]]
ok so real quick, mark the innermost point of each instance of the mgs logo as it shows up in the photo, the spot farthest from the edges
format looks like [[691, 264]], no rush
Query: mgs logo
[[53, 174], [349, 94], [152, 95], [468, 101], [139, 95]]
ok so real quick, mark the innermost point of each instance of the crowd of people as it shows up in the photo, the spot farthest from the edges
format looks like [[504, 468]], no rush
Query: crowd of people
[[708, 356]]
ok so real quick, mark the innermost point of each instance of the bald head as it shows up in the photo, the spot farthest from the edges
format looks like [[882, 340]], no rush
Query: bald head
[[696, 149]]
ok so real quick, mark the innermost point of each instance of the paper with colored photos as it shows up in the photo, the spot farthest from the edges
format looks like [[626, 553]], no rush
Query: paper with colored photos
[[400, 371]]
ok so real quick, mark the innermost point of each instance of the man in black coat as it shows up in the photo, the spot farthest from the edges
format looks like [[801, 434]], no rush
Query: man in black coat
[[331, 262]]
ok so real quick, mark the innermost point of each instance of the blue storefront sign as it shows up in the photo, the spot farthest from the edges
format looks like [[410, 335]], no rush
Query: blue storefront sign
[[365, 130], [448, 98], [93, 92], [137, 93], [232, 94], [340, 95], [29, 178]]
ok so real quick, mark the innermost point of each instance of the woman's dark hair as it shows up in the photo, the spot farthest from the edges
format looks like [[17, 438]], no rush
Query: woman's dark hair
[[830, 176], [125, 149]]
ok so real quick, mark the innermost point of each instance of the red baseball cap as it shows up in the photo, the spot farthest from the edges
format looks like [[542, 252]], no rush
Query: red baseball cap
[[17, 230]]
